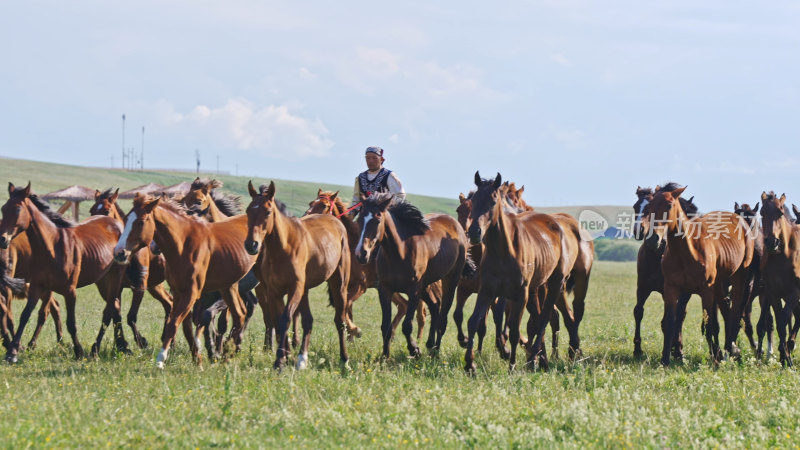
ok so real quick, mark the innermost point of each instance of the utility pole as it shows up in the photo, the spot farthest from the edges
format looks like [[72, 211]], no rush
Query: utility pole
[[141, 156], [197, 156], [123, 141]]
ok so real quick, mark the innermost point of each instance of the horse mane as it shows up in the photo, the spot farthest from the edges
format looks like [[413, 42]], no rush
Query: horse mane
[[200, 184], [644, 191], [337, 201], [689, 208], [230, 205], [58, 220], [172, 205], [408, 218]]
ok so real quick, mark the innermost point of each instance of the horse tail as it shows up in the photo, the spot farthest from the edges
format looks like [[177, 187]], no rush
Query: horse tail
[[330, 296], [17, 286], [570, 284], [470, 269]]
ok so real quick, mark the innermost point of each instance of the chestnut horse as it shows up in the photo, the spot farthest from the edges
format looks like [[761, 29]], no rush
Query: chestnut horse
[[703, 256], [146, 269], [295, 255], [415, 252], [525, 256], [649, 277], [362, 276], [781, 265], [14, 263], [200, 256], [66, 256]]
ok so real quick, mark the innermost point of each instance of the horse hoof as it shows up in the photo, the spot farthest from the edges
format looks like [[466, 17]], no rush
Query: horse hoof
[[430, 345], [79, 354], [471, 368], [160, 365], [463, 342], [11, 358], [356, 332], [505, 353], [142, 343], [790, 345], [414, 351], [94, 351], [31, 345], [302, 362]]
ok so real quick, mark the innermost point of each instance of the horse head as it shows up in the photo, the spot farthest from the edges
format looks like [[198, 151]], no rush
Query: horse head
[[463, 210], [662, 213], [774, 223], [747, 212], [104, 203], [643, 197], [323, 204], [372, 221], [260, 215], [483, 202], [140, 228], [16, 217]]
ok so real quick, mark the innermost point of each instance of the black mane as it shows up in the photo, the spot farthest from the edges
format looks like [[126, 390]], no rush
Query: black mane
[[44, 207], [106, 194], [409, 220], [262, 190], [230, 205]]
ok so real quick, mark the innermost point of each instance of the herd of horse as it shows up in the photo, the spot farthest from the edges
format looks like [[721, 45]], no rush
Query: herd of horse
[[220, 263]]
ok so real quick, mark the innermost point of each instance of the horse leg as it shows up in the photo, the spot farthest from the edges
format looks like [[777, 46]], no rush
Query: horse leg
[[6, 324], [206, 326], [162, 296], [739, 303], [782, 316], [14, 348], [110, 287], [448, 286], [571, 324], [482, 332], [307, 322], [790, 343], [638, 314], [295, 296], [402, 307], [387, 325], [680, 317], [555, 327], [238, 312], [267, 316], [481, 306], [133, 314], [554, 289], [668, 321], [181, 308], [354, 292], [458, 314], [498, 313], [413, 300], [421, 313], [764, 326], [710, 315], [337, 289], [515, 320], [69, 299], [747, 316], [44, 311]]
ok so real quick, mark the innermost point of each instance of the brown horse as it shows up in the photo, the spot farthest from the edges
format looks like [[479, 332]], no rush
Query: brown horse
[[649, 277], [525, 256], [200, 257], [66, 256], [362, 276], [146, 269], [703, 256], [295, 255], [14, 262], [781, 265], [415, 252]]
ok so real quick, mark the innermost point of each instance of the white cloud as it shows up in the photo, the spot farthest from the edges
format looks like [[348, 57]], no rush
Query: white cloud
[[306, 74], [561, 60], [394, 139], [271, 131]]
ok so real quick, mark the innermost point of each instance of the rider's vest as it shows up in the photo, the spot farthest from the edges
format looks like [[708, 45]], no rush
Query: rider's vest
[[378, 184]]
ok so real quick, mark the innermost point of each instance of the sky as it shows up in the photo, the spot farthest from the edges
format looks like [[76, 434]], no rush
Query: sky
[[580, 101]]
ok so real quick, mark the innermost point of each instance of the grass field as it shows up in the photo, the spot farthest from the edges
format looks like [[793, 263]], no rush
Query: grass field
[[606, 399]]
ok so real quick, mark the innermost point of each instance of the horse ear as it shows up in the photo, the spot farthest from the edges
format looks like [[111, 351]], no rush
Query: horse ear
[[763, 196], [498, 181], [521, 190], [691, 199], [796, 211], [783, 199], [335, 194], [319, 192], [11, 187], [251, 189], [28, 189], [270, 190], [658, 188], [148, 208], [384, 204], [461, 197], [477, 178], [207, 188], [196, 180], [736, 206], [758, 205], [96, 194], [677, 192]]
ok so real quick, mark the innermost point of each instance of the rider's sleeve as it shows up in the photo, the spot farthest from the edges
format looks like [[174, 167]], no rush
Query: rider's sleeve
[[356, 193], [396, 187]]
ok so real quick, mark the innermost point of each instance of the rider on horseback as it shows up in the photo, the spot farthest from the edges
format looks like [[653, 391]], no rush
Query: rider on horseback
[[377, 178]]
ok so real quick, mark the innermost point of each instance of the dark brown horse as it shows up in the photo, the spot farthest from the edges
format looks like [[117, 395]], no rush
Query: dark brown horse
[[781, 265], [66, 256], [416, 251], [200, 257], [363, 276], [525, 256], [14, 263], [146, 269], [649, 277], [295, 255], [703, 256]]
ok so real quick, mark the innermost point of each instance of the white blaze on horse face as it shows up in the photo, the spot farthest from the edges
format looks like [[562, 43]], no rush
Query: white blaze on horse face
[[363, 229], [123, 240], [640, 215]]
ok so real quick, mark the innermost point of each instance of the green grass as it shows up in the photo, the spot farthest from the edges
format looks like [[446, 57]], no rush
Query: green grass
[[607, 399]]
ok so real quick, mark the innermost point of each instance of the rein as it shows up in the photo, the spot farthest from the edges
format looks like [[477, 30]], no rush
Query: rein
[[331, 203]]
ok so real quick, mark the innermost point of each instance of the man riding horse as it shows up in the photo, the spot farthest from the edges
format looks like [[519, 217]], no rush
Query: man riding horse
[[377, 178]]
